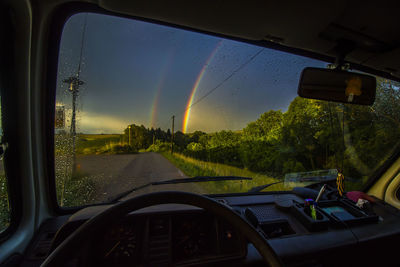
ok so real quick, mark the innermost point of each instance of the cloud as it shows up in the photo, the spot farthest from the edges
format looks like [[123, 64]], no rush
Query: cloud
[[96, 123]]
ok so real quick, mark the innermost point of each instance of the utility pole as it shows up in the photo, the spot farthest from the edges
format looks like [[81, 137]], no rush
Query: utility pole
[[74, 84], [172, 134], [129, 135]]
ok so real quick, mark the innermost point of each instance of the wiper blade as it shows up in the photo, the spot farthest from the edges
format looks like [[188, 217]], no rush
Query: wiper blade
[[261, 187], [201, 179], [195, 179]]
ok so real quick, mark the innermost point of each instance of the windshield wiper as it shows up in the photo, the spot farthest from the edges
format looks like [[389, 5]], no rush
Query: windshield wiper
[[195, 179], [261, 187]]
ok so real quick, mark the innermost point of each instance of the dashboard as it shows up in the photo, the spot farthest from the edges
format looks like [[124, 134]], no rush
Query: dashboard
[[178, 238], [183, 235]]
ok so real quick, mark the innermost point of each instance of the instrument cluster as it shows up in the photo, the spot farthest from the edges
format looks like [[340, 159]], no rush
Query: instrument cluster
[[184, 238]]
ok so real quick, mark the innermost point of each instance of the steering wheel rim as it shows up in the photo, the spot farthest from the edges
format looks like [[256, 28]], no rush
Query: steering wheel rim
[[90, 227]]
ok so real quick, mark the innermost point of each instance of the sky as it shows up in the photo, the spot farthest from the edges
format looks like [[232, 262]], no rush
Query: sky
[[143, 73]]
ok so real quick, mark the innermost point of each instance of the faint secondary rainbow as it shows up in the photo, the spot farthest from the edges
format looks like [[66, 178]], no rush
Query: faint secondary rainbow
[[196, 84], [153, 114], [159, 86]]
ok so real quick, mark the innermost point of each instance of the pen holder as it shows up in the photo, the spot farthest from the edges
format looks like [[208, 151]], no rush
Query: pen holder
[[303, 214]]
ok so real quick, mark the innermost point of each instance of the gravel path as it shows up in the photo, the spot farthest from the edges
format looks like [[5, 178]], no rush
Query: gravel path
[[117, 173]]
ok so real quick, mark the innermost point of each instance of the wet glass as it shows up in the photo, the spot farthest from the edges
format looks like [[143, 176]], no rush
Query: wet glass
[[139, 103]]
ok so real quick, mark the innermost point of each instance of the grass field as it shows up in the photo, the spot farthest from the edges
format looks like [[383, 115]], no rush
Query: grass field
[[193, 167], [96, 143]]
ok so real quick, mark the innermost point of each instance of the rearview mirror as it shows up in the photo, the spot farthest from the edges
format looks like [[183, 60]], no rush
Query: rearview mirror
[[337, 86]]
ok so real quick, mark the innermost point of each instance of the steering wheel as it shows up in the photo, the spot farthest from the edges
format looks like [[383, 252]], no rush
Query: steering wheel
[[87, 230]]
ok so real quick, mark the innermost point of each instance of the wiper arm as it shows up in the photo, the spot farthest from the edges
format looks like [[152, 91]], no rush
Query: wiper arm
[[261, 187], [195, 179]]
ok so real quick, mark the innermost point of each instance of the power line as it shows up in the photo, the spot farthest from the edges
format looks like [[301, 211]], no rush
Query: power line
[[82, 43], [224, 80], [244, 64]]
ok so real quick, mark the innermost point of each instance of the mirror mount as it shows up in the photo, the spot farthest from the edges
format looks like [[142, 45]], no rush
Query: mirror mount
[[342, 49]]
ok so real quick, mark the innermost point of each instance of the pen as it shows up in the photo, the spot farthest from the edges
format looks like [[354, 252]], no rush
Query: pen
[[321, 192]]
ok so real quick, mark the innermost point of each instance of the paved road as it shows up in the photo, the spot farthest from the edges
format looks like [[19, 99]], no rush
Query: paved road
[[117, 173]]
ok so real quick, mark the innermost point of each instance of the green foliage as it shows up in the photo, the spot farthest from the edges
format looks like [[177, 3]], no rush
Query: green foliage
[[195, 146], [310, 135], [159, 146], [4, 204], [267, 127], [261, 156], [140, 137]]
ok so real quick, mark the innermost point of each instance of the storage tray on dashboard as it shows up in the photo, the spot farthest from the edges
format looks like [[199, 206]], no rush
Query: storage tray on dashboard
[[303, 214], [335, 213], [342, 213]]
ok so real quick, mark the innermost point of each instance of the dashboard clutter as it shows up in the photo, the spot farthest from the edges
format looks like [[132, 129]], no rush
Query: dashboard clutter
[[344, 213], [271, 224], [305, 192], [356, 195], [283, 203], [310, 215]]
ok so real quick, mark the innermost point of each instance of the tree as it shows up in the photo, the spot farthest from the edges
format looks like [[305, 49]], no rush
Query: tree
[[266, 127]]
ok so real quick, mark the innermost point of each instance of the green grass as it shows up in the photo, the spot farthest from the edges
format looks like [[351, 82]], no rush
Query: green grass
[[72, 188], [4, 204], [193, 167], [91, 144], [96, 143], [76, 190]]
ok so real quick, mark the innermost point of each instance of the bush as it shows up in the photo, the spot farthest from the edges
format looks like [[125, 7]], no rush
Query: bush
[[159, 146], [121, 149]]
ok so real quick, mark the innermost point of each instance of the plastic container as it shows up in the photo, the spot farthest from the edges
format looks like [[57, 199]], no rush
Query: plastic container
[[343, 213], [303, 214]]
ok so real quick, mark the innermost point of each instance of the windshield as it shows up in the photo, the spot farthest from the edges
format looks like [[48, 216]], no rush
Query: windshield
[[139, 103]]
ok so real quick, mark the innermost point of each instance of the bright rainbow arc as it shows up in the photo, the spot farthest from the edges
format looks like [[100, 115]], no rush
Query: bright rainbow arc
[[196, 84]]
